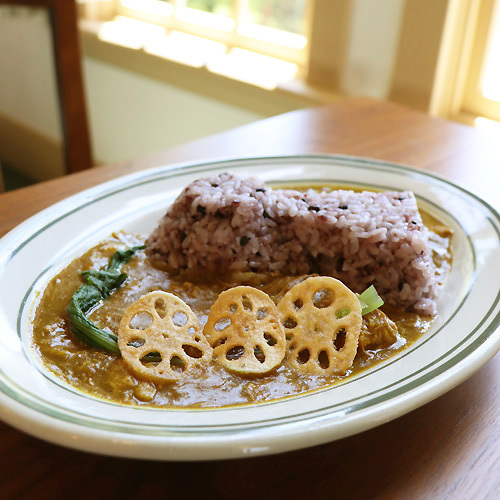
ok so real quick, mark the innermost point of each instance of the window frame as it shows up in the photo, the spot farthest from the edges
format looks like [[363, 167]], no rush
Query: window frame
[[230, 38], [455, 90], [320, 66], [474, 102]]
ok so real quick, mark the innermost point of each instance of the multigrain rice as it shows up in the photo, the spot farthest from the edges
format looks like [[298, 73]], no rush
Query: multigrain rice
[[226, 223]]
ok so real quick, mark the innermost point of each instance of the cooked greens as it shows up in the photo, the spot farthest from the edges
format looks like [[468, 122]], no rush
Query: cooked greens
[[99, 285]]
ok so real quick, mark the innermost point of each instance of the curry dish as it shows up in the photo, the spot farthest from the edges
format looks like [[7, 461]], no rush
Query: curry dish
[[106, 376]]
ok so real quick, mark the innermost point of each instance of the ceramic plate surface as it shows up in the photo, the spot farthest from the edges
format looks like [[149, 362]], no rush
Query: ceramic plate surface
[[464, 335]]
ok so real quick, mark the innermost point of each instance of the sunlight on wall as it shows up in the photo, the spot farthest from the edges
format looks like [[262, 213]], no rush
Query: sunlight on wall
[[263, 71], [185, 49], [130, 32]]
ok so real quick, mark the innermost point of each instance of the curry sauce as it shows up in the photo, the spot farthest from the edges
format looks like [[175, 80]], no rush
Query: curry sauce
[[105, 376]]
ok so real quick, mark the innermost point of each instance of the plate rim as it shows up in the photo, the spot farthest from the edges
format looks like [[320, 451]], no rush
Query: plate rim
[[92, 193]]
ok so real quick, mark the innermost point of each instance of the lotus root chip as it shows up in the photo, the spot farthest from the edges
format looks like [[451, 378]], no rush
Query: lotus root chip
[[322, 321], [161, 339], [244, 330]]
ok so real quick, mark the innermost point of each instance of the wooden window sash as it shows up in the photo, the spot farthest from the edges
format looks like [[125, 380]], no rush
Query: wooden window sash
[[474, 102], [229, 38]]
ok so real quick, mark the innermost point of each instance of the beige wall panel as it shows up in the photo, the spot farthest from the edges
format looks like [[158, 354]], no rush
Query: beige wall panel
[[419, 45]]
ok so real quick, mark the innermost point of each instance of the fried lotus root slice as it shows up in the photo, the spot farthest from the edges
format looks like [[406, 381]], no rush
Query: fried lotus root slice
[[161, 339], [322, 322], [245, 332]]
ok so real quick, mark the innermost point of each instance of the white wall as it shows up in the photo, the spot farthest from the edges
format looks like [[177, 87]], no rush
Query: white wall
[[131, 115], [373, 49]]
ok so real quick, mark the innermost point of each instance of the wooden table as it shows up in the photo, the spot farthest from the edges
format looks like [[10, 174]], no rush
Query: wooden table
[[449, 448]]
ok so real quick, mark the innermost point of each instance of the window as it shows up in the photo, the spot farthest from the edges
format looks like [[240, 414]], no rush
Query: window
[[267, 56], [263, 42], [273, 27]]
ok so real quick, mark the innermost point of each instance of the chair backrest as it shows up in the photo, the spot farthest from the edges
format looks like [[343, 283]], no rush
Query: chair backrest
[[66, 45]]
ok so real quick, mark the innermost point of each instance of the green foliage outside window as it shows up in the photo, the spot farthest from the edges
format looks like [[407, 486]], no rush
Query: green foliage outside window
[[221, 7], [287, 15]]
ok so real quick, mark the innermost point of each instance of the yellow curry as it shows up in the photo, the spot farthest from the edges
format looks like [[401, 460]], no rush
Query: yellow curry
[[105, 376]]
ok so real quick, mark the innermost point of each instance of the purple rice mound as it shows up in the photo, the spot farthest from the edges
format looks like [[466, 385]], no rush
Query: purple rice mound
[[225, 223]]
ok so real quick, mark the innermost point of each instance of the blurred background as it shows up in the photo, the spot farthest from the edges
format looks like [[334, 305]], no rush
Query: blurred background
[[157, 73]]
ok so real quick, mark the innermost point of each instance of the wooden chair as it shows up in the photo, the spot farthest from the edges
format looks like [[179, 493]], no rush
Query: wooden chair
[[66, 45]]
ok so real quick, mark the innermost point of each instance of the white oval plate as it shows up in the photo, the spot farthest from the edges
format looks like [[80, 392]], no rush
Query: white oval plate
[[464, 335]]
